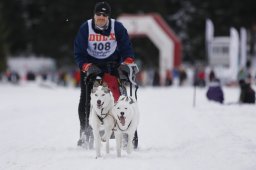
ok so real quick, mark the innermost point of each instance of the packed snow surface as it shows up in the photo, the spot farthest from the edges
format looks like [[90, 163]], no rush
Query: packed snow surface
[[39, 129]]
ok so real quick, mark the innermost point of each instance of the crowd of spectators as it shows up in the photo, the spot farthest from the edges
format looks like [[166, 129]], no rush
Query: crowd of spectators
[[182, 76]]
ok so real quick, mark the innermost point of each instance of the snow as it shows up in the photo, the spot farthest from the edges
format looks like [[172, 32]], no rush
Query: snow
[[39, 129]]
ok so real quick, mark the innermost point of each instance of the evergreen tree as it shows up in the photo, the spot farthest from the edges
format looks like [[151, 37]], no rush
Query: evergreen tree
[[46, 27]]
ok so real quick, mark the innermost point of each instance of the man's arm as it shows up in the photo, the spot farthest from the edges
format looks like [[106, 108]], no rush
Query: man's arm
[[124, 44], [80, 45]]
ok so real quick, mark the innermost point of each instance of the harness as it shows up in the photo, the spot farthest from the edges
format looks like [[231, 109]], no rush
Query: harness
[[116, 124], [102, 118]]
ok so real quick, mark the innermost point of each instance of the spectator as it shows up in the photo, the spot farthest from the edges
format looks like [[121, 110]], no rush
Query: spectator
[[247, 94], [156, 79], [183, 76], [31, 76], [199, 77], [76, 76], [168, 81], [214, 92], [12, 77]]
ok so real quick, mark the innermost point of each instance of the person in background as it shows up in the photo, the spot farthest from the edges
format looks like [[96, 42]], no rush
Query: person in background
[[168, 80], [214, 92], [156, 78], [183, 76], [101, 43], [247, 94], [199, 76]]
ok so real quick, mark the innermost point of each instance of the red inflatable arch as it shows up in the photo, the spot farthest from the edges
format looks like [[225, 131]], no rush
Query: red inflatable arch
[[157, 30]]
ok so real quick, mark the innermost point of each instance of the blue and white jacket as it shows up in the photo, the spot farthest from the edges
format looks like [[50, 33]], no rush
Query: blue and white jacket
[[95, 46]]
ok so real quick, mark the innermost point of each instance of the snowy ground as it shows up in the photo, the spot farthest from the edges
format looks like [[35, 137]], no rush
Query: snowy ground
[[39, 130]]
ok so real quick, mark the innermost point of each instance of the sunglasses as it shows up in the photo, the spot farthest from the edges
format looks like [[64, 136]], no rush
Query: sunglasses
[[100, 13]]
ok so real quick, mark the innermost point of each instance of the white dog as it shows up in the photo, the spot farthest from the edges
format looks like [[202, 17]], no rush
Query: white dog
[[102, 102], [126, 114]]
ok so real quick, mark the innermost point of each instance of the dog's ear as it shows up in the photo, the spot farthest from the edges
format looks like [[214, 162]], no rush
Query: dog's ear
[[93, 90], [96, 84], [104, 84], [127, 98], [105, 87], [132, 101], [106, 90]]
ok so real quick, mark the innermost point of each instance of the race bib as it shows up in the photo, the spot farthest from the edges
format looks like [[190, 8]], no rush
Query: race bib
[[100, 46]]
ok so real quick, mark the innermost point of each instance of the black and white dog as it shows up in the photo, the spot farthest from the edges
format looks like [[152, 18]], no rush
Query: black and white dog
[[102, 102], [126, 114]]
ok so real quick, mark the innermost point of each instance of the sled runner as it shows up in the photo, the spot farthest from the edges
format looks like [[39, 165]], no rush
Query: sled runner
[[126, 80]]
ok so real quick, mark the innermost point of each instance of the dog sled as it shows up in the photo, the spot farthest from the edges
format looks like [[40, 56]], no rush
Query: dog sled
[[126, 86]]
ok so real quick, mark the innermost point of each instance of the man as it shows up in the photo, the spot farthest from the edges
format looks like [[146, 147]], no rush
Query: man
[[101, 43]]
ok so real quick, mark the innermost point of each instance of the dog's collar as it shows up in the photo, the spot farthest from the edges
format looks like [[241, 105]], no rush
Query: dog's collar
[[123, 129]]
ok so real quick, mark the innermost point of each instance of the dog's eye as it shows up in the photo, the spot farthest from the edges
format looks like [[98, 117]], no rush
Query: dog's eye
[[96, 95], [118, 107], [125, 108], [103, 95]]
